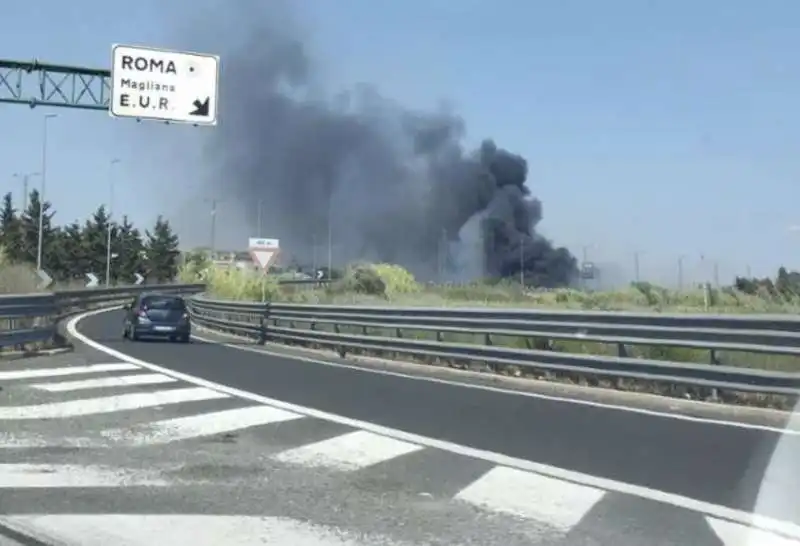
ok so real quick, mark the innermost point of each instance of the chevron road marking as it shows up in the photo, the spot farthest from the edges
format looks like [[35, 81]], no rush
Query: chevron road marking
[[348, 452], [182, 428], [109, 404], [105, 382], [197, 530], [34, 373], [532, 496], [736, 534], [44, 475]]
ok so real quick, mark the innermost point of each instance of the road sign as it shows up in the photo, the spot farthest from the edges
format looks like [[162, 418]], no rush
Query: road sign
[[45, 278], [139, 278], [263, 251], [320, 274], [92, 280], [257, 242], [165, 85]]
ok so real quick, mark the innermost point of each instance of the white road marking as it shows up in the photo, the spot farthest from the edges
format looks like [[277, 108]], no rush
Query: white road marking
[[36, 373], [722, 512], [109, 404], [264, 350], [528, 495], [197, 530], [106, 382], [350, 451], [182, 428], [26, 476], [736, 534]]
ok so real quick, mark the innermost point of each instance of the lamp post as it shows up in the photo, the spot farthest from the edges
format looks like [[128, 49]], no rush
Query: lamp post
[[110, 208], [40, 241]]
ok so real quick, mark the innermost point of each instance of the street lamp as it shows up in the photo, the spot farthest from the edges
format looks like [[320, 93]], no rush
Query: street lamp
[[110, 208], [44, 186]]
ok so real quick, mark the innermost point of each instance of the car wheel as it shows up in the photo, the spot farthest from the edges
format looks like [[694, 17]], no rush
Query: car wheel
[[186, 338], [125, 333]]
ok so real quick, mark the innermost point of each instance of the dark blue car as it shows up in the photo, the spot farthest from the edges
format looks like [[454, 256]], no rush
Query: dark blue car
[[162, 316]]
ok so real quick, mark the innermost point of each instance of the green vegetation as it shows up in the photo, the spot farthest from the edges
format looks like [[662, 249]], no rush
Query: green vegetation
[[383, 284], [71, 251]]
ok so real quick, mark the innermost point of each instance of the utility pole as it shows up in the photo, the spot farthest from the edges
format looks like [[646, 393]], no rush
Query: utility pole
[[259, 204], [636, 265], [680, 272], [25, 189], [213, 227], [330, 239], [40, 241], [314, 253], [109, 222], [521, 264]]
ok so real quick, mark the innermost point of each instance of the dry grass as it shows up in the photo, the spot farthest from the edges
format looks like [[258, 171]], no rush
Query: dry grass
[[401, 289]]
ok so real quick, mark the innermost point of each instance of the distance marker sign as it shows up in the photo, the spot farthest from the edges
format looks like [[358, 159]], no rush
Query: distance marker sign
[[158, 84]]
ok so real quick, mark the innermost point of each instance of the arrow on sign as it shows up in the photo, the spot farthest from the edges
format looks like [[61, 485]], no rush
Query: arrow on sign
[[320, 274], [92, 280], [46, 279], [139, 278], [200, 108]]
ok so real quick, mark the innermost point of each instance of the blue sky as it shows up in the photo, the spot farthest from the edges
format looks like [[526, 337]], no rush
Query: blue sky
[[664, 127]]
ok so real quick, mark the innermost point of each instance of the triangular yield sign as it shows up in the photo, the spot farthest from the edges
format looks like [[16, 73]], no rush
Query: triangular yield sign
[[263, 257]]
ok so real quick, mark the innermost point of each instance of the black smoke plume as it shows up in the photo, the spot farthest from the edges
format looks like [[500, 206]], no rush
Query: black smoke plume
[[392, 184]]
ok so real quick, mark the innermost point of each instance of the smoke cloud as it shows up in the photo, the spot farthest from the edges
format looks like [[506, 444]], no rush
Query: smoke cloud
[[386, 182]]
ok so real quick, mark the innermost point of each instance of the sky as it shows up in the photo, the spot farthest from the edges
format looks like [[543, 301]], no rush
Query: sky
[[657, 128]]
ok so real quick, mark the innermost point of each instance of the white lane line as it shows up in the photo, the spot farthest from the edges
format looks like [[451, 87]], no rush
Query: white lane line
[[106, 382], [527, 495], [348, 452], [723, 512], [34, 373], [109, 404], [736, 534], [197, 530], [182, 428], [26, 476]]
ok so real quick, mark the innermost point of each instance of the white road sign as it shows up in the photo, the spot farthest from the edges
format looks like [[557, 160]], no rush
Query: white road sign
[[149, 83]]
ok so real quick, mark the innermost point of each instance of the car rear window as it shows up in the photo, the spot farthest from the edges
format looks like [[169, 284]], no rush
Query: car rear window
[[163, 302]]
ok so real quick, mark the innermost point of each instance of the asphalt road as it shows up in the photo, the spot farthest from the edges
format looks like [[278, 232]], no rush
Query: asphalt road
[[94, 451], [718, 464]]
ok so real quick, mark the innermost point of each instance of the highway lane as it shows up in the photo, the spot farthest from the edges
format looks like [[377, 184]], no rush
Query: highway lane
[[713, 463]]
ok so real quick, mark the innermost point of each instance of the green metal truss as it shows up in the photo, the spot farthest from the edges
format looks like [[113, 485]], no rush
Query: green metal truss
[[40, 84]]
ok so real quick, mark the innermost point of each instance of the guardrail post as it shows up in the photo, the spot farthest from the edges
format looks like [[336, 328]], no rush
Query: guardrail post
[[264, 325]]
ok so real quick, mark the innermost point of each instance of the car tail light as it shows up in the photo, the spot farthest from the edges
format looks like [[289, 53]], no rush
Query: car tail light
[[143, 313]]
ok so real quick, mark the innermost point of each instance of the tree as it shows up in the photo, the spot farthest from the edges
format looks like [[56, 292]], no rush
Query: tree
[[29, 225], [10, 235], [162, 251], [129, 248], [79, 261], [95, 237]]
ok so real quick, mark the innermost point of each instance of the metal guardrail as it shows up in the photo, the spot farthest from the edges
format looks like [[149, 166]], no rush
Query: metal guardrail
[[390, 330], [32, 318]]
